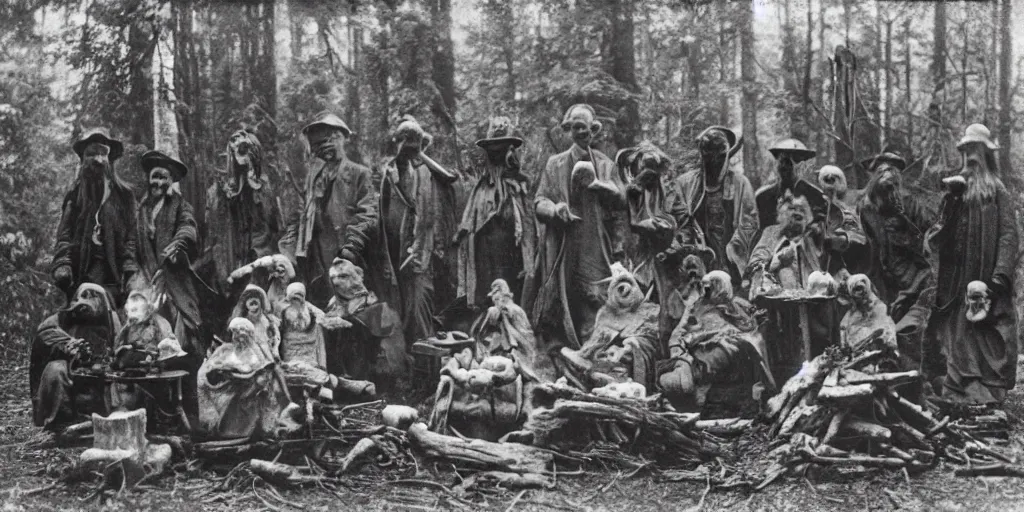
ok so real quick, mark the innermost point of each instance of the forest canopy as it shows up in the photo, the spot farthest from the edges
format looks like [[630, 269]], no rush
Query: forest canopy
[[848, 78]]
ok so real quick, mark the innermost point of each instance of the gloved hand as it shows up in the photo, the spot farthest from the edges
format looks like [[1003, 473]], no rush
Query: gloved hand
[[348, 254], [62, 276]]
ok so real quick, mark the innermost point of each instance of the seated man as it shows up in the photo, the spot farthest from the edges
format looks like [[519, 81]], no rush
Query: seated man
[[624, 344], [141, 335], [239, 394], [80, 335], [362, 326], [717, 343]]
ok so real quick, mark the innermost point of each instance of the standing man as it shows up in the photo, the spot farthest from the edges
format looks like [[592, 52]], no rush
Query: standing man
[[576, 194], [497, 235], [243, 221], [338, 213], [167, 244], [975, 239], [417, 222], [720, 202], [787, 154], [96, 234]]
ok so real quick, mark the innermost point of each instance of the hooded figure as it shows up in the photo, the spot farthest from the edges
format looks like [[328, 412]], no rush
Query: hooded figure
[[722, 214], [975, 239], [497, 237], [272, 273], [75, 336], [239, 396], [576, 195], [505, 330], [302, 338], [168, 243], [338, 213], [254, 306], [96, 235], [417, 222], [243, 219]]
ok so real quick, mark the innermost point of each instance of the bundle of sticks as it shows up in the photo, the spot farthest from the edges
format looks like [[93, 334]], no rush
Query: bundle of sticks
[[843, 409], [568, 420]]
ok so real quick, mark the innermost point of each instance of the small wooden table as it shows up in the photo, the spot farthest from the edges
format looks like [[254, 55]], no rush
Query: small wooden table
[[170, 378]]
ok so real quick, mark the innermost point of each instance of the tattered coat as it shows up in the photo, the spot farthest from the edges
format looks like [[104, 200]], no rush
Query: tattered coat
[[738, 196]]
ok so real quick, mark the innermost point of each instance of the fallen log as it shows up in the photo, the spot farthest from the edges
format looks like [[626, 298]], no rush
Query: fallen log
[[278, 473], [856, 427], [808, 455], [507, 457], [891, 379], [725, 427], [991, 470], [364, 448], [506, 480], [845, 396]]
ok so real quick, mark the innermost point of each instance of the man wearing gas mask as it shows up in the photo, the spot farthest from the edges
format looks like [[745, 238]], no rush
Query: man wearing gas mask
[[96, 235], [497, 235], [576, 194], [243, 219], [79, 336], [338, 213], [721, 213], [417, 222], [975, 239], [787, 154]]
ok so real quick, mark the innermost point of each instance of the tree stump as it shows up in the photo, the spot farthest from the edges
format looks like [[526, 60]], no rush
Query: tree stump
[[119, 442]]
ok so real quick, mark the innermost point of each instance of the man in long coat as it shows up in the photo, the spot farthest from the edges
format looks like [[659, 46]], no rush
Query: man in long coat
[[497, 235], [575, 195], [787, 154], [720, 202], [338, 213], [96, 234], [167, 244], [417, 222], [243, 220], [975, 239]]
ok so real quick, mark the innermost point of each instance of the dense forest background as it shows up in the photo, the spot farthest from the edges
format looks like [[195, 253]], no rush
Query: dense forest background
[[847, 77]]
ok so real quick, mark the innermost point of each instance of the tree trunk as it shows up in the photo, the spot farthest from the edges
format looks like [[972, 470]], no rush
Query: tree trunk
[[141, 46], [297, 18], [355, 99], [189, 107], [789, 72], [1005, 96], [618, 58], [907, 83], [723, 70], [444, 71], [888, 80], [939, 51], [805, 93], [748, 76], [508, 48]]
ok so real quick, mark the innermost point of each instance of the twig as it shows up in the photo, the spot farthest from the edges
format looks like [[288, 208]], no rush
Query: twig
[[264, 500], [515, 500], [38, 490], [700, 503]]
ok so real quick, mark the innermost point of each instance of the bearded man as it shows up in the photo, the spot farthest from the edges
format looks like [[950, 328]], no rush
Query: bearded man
[[96, 234], [75, 336], [417, 221], [497, 235], [243, 220], [720, 201], [576, 195], [975, 239], [338, 213], [167, 244]]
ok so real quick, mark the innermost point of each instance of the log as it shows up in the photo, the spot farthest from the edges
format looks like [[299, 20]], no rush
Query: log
[[910, 435], [507, 457], [863, 360], [726, 427], [825, 450], [808, 455], [805, 418], [506, 480], [997, 469], [865, 429], [845, 396], [278, 473], [891, 379], [364, 448], [833, 426]]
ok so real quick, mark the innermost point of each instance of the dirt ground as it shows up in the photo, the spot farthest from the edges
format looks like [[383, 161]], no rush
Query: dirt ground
[[30, 480]]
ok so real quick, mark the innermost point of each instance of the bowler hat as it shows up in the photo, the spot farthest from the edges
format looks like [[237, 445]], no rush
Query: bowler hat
[[99, 136], [155, 158]]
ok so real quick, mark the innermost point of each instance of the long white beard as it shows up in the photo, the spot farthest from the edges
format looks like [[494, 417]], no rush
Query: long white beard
[[297, 318]]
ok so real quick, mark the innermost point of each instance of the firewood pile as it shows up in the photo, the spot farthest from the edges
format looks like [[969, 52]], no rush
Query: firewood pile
[[843, 410]]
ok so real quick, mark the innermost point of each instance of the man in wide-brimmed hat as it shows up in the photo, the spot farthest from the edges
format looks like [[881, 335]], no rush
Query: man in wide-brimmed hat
[[787, 153], [417, 222], [976, 241], [167, 245], [243, 218], [96, 235], [576, 194], [720, 204], [338, 213], [497, 235]]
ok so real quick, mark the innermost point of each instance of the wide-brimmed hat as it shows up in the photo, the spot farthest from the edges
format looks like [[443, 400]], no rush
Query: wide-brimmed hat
[[500, 131], [100, 136], [328, 119], [977, 133], [886, 157], [155, 158], [793, 147], [734, 141]]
